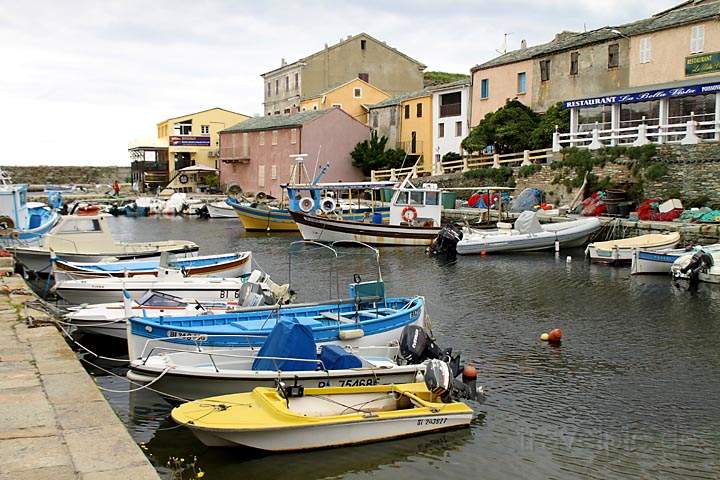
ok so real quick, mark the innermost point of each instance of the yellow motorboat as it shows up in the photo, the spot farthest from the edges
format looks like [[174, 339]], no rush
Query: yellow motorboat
[[275, 420]]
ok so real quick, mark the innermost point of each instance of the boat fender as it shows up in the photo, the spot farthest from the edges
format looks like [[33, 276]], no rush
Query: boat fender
[[306, 204], [6, 222], [409, 213], [328, 204], [183, 178], [351, 334]]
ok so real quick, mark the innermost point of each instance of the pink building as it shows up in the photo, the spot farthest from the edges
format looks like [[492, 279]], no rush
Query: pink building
[[255, 154]]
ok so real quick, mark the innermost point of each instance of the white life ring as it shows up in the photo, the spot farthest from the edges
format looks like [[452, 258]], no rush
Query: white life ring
[[328, 204], [306, 204], [183, 178]]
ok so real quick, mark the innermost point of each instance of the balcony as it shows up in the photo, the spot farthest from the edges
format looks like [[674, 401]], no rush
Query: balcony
[[450, 110]]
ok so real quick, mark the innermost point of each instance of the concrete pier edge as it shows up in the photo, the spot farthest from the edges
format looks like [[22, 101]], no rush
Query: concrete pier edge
[[54, 421]]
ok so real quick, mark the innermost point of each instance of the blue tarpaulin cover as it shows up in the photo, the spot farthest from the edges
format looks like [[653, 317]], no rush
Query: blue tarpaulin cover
[[288, 339], [527, 199], [334, 357]]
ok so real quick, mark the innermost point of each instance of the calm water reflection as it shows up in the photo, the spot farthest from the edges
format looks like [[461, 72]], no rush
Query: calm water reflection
[[633, 391]]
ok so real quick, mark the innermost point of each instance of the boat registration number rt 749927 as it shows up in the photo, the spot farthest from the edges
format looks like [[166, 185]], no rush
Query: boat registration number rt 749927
[[432, 421]]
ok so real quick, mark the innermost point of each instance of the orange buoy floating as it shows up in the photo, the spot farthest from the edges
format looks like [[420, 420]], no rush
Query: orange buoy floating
[[469, 372], [555, 335]]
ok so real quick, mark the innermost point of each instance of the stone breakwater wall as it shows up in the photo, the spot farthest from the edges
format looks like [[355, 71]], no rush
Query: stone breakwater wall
[[43, 175], [54, 421], [693, 175]]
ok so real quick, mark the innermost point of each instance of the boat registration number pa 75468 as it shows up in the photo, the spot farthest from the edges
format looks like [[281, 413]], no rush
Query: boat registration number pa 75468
[[432, 421], [351, 382]]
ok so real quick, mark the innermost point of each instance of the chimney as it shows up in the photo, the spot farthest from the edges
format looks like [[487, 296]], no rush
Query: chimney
[[523, 44], [282, 62]]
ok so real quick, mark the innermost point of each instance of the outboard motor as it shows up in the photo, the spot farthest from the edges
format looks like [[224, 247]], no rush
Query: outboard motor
[[440, 380], [446, 240], [690, 267], [416, 345]]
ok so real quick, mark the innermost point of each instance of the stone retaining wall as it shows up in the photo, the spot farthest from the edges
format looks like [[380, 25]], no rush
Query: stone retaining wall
[[44, 174]]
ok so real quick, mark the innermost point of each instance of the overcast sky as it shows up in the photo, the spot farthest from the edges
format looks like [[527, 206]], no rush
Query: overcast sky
[[81, 79]]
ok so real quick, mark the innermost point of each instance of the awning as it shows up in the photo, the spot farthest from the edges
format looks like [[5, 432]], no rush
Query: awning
[[683, 88], [197, 168]]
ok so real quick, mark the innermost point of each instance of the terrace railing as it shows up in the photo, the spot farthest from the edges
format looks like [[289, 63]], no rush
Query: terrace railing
[[687, 133]]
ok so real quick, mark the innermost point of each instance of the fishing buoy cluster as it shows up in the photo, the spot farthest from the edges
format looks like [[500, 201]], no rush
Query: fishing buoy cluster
[[554, 336]]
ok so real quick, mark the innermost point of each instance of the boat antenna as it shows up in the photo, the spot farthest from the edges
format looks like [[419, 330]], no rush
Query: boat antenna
[[317, 161]]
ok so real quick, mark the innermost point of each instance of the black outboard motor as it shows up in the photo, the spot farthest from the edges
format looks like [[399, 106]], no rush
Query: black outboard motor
[[439, 380], [446, 240], [700, 261]]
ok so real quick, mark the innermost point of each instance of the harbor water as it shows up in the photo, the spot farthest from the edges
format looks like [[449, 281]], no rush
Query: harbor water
[[631, 393]]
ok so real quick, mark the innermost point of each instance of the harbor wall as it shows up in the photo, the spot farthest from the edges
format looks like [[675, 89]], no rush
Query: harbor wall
[[44, 174], [54, 421], [692, 175]]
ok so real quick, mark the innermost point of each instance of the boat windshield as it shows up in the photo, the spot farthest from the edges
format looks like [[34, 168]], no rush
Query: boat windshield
[[158, 299]]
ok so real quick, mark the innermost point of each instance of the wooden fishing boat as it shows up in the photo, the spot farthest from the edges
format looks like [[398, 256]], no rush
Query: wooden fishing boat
[[274, 420], [620, 251], [353, 321], [414, 217], [22, 222], [225, 265]]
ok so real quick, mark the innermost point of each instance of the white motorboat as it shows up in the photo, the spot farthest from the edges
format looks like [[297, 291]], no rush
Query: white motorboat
[[621, 251], [196, 374], [110, 319], [81, 238], [107, 290], [661, 261], [527, 234], [701, 266], [220, 210], [22, 222]]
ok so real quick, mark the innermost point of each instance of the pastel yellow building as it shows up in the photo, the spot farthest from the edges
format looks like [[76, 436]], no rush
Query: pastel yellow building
[[416, 129], [353, 97], [193, 139]]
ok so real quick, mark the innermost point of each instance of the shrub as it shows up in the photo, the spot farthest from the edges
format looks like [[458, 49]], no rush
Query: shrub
[[656, 170], [529, 170], [497, 176]]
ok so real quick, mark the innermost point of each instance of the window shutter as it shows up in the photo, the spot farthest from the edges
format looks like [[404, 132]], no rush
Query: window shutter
[[245, 145], [261, 176], [273, 172], [697, 39]]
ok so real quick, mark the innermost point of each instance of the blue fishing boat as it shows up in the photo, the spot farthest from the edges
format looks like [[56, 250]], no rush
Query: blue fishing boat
[[225, 265], [362, 321], [22, 222]]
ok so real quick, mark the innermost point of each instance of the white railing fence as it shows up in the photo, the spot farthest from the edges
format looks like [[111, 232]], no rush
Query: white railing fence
[[688, 133]]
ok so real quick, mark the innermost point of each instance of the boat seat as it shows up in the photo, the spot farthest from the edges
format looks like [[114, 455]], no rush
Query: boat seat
[[270, 323], [336, 317]]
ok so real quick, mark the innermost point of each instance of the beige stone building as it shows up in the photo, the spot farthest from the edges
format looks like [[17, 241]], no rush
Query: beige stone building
[[360, 56], [659, 71]]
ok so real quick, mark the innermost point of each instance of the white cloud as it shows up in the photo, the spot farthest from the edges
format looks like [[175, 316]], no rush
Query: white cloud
[[83, 78]]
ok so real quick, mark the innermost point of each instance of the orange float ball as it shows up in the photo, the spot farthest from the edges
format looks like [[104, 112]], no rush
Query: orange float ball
[[555, 335], [469, 372]]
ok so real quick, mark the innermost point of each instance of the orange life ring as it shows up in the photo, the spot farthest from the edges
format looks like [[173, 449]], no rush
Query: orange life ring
[[409, 214]]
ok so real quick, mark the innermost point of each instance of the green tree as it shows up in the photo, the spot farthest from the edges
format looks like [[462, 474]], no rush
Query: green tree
[[508, 129], [542, 135], [372, 154]]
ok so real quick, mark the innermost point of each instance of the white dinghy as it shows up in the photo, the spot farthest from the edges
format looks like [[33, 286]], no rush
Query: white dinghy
[[621, 251], [527, 234], [703, 266]]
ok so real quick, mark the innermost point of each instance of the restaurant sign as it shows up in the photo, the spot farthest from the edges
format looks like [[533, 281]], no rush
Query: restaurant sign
[[705, 63], [644, 96], [189, 141]]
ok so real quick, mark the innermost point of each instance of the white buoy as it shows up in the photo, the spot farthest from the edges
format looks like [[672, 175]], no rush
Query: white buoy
[[557, 245], [568, 259]]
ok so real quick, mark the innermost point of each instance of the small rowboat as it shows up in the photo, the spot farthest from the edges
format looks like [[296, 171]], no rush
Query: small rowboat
[[357, 322], [274, 420], [226, 266], [621, 251]]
